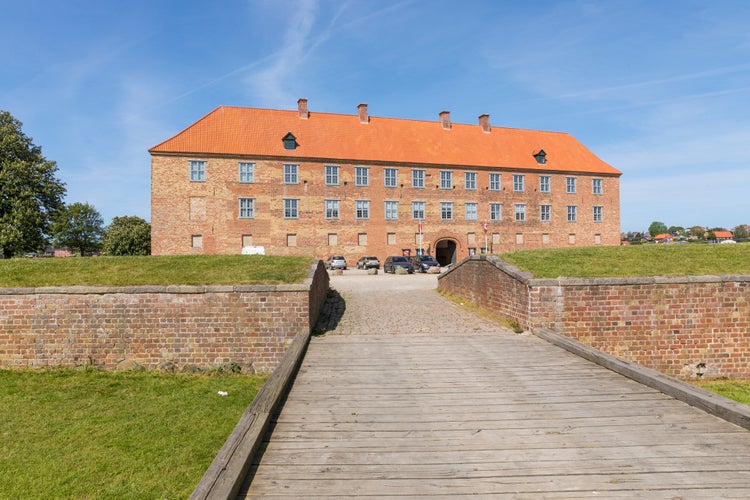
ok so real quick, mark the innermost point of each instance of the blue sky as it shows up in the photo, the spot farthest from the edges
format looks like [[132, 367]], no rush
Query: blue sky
[[660, 89]]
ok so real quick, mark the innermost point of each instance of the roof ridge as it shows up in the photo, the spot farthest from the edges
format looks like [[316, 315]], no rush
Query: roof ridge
[[378, 117]]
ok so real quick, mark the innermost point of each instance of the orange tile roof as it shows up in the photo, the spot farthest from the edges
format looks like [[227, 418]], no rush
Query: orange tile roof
[[723, 234], [334, 137]]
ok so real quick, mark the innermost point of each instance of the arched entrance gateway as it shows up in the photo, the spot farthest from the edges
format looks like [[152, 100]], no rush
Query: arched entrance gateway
[[445, 251]]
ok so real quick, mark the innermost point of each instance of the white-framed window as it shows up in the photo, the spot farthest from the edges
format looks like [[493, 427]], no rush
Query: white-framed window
[[390, 177], [290, 173], [496, 211], [446, 179], [596, 186], [332, 209], [544, 184], [417, 210], [470, 180], [247, 208], [446, 210], [518, 183], [247, 172], [471, 211], [572, 213], [545, 213], [332, 175], [598, 213], [361, 176], [197, 171], [520, 212], [291, 208], [391, 210], [417, 178], [362, 209], [495, 182], [570, 185]]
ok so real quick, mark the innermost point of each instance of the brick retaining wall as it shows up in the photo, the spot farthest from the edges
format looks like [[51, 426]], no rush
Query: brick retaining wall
[[157, 327], [670, 324]]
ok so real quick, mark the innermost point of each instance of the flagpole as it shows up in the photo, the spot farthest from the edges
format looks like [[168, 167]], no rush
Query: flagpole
[[420, 237], [486, 247]]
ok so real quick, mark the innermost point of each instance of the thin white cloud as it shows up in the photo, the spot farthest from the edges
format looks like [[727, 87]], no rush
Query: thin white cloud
[[270, 83], [617, 89]]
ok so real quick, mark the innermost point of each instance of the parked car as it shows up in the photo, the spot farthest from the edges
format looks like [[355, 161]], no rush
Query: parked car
[[368, 262], [423, 262], [394, 261], [336, 262]]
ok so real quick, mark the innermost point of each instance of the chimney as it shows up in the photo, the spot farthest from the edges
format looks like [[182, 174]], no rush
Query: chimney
[[362, 109], [445, 120], [484, 122], [302, 107]]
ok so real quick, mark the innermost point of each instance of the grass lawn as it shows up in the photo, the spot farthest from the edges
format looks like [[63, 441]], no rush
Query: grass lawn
[[92, 434], [632, 261], [154, 270], [738, 390]]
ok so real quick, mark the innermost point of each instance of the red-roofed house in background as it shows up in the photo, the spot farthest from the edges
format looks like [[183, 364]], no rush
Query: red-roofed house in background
[[664, 238], [723, 235], [306, 183]]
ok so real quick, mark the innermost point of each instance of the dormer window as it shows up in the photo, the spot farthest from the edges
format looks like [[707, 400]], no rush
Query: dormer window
[[541, 157], [290, 142]]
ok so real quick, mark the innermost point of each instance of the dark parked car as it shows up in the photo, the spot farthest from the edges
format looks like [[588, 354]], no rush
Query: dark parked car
[[392, 262], [423, 262], [336, 262], [368, 262]]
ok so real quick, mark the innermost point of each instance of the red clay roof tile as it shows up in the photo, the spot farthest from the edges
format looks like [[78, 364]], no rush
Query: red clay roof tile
[[332, 137]]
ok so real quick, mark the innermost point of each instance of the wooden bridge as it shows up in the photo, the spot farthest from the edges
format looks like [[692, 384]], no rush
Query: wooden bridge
[[411, 395]]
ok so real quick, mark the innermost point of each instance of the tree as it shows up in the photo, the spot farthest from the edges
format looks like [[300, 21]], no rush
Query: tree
[[698, 232], [741, 232], [78, 226], [127, 235], [657, 228], [30, 194]]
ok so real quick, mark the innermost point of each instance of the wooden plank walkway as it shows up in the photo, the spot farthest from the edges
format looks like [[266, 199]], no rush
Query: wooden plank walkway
[[471, 409]]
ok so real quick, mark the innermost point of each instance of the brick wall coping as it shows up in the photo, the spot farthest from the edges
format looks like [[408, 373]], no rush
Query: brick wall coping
[[172, 289], [528, 279], [522, 276]]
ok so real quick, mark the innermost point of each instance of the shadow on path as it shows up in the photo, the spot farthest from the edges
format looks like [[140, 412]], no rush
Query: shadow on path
[[333, 310]]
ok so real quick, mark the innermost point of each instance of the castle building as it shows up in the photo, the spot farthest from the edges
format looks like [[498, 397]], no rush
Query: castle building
[[321, 184]]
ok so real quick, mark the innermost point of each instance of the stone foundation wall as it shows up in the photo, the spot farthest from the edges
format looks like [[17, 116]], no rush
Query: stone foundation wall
[[680, 326], [169, 328]]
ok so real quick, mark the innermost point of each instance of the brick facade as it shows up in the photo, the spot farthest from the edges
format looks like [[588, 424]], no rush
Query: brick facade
[[204, 216], [670, 324], [157, 327]]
